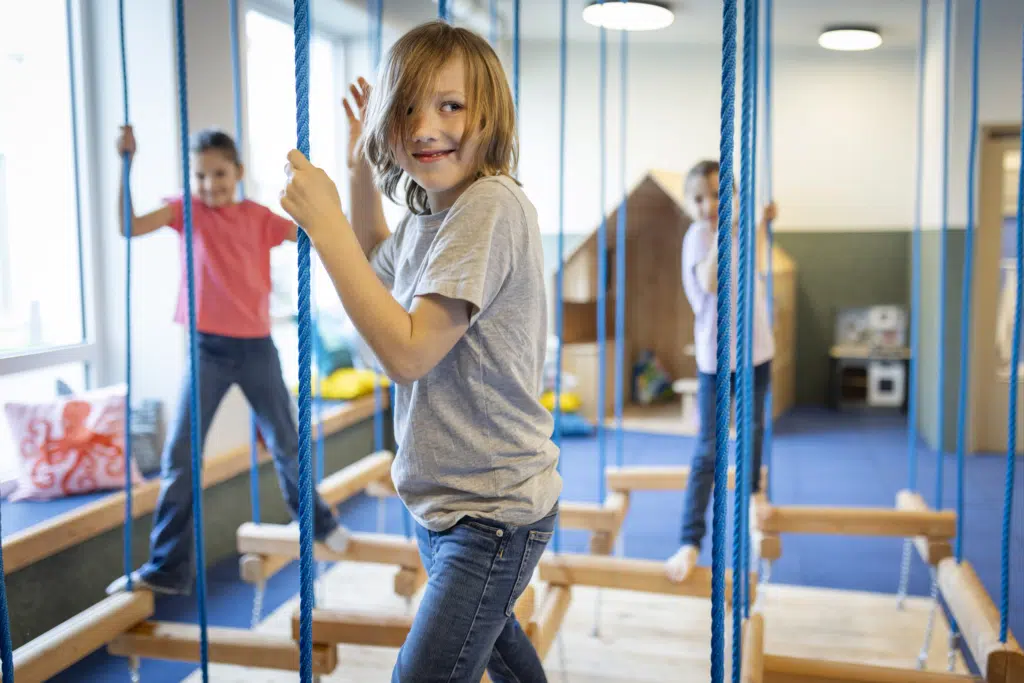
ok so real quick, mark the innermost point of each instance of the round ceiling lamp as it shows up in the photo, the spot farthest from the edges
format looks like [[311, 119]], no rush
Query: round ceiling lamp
[[850, 38], [634, 15]]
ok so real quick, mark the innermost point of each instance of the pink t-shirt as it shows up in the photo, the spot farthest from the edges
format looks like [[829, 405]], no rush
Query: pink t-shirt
[[231, 259]]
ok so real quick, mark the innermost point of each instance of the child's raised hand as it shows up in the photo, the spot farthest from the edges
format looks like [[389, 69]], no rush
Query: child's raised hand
[[311, 197], [126, 142], [360, 91]]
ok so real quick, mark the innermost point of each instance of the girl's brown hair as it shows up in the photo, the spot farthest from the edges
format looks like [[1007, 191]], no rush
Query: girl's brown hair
[[409, 73]]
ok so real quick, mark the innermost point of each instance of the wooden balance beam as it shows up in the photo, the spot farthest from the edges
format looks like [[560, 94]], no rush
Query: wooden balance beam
[[550, 617], [812, 519], [931, 549], [240, 647], [978, 619], [780, 669], [752, 668], [604, 521], [659, 478], [647, 576], [283, 540], [62, 646], [335, 489]]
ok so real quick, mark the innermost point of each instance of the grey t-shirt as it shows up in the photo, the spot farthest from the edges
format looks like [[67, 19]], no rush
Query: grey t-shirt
[[473, 437]]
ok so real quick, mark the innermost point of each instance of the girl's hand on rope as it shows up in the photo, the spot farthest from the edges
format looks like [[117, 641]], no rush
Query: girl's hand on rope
[[126, 142], [311, 197], [360, 96]]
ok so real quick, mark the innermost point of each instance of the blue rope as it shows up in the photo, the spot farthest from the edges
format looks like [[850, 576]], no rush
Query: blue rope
[[620, 250], [915, 277], [769, 412], [559, 297], [302, 28], [602, 267], [6, 648], [494, 24], [197, 445], [965, 303], [515, 55], [725, 191], [743, 338], [1011, 445], [127, 209], [444, 11], [944, 229]]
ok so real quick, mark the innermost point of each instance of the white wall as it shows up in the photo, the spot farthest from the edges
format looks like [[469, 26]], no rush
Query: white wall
[[843, 144]]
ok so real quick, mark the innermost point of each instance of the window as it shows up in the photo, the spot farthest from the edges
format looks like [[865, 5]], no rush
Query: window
[[40, 276], [270, 134]]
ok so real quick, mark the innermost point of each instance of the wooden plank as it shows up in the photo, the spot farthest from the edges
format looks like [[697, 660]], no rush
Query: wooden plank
[[348, 481], [588, 516], [647, 576], [409, 580], [852, 521], [283, 540], [603, 542], [356, 627], [552, 613], [931, 550], [88, 521], [257, 569], [62, 646], [752, 668], [780, 669], [241, 647], [658, 477], [978, 619]]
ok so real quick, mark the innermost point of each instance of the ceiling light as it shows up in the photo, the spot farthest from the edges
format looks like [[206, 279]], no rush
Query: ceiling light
[[850, 38], [633, 15]]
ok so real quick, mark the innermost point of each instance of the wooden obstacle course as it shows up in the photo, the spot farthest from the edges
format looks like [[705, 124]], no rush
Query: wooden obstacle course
[[780, 669], [180, 642], [68, 643], [978, 619]]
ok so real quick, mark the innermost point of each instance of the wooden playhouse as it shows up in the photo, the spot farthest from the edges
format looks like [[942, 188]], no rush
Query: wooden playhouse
[[658, 315]]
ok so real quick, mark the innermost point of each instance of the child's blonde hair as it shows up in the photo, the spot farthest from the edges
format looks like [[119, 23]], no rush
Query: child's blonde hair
[[408, 73]]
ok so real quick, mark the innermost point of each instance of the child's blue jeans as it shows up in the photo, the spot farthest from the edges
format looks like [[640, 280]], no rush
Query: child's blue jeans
[[476, 571], [702, 467], [255, 366]]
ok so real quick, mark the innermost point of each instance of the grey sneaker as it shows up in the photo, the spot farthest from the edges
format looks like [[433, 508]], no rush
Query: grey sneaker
[[120, 585]]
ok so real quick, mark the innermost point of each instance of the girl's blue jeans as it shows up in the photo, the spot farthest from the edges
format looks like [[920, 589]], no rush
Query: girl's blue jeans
[[476, 571], [702, 467], [255, 366]]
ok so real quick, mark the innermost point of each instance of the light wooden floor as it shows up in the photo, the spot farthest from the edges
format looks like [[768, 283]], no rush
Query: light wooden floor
[[644, 638]]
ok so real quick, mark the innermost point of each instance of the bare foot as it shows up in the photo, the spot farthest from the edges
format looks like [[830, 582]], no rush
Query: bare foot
[[679, 566]]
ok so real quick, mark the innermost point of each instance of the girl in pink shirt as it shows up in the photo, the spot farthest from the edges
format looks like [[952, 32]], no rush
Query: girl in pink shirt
[[231, 250]]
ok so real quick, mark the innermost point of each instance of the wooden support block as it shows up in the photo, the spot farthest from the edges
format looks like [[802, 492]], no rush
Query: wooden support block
[[978, 619], [646, 576], [348, 481], [524, 609], [811, 519], [780, 669], [603, 542], [355, 627], [658, 478], [408, 580], [552, 612], [767, 546], [241, 647], [932, 550], [587, 516], [382, 488], [283, 540], [752, 670], [62, 646], [257, 569]]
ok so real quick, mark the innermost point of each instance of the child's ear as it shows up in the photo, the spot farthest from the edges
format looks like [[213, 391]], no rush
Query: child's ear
[[241, 171]]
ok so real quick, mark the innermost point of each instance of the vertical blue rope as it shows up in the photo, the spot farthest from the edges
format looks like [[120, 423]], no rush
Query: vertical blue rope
[[620, 250], [965, 303], [915, 276], [515, 55], [750, 284], [194, 414], [559, 303], [444, 11], [301, 27], [1011, 430], [769, 411], [941, 392], [743, 338], [602, 266], [127, 209], [494, 24], [725, 191], [236, 82], [6, 647]]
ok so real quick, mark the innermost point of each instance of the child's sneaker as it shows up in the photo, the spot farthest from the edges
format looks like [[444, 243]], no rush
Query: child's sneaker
[[338, 539], [120, 585]]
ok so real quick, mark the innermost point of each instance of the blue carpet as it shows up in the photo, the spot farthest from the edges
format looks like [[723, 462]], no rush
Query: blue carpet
[[819, 458]]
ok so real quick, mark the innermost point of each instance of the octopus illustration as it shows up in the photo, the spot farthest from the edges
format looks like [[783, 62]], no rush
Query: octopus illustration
[[80, 452]]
